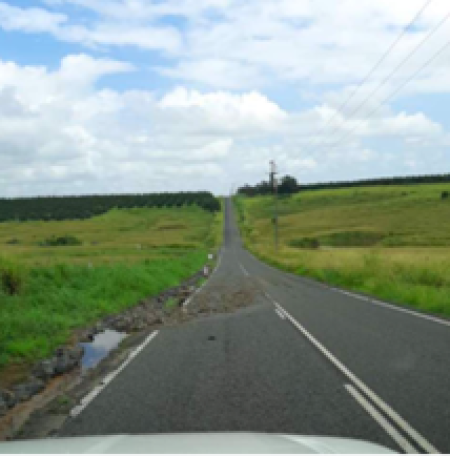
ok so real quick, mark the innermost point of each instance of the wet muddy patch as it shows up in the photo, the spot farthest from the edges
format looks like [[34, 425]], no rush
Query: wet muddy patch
[[100, 347]]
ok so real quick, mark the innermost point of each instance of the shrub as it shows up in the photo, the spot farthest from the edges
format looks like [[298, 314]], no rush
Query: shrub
[[444, 195], [54, 241], [12, 277], [305, 243], [352, 239]]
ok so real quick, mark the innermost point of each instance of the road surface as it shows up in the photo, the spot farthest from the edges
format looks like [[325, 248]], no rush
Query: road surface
[[300, 358]]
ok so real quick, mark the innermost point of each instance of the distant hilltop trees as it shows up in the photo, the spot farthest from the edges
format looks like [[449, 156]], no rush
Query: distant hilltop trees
[[82, 207], [286, 186], [289, 185]]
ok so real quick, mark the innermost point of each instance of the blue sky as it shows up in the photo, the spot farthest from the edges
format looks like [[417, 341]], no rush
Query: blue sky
[[142, 95]]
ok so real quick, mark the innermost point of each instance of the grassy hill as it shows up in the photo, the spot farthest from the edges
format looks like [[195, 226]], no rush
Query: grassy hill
[[48, 290], [120, 235], [392, 242]]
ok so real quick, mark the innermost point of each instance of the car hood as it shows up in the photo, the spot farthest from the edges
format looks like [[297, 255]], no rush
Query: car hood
[[194, 443]]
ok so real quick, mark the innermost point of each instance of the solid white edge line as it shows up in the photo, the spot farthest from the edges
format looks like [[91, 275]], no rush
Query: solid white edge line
[[393, 307], [369, 299], [243, 269], [188, 301], [411, 312], [381, 420], [427, 446], [280, 314], [110, 377]]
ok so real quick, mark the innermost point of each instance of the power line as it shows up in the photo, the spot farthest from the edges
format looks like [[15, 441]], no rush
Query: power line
[[376, 66], [397, 90], [405, 60]]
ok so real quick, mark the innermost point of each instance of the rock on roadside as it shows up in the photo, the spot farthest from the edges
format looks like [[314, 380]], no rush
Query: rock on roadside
[[66, 359], [26, 390], [3, 407], [45, 369]]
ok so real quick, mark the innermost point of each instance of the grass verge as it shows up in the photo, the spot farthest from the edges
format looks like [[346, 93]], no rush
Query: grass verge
[[389, 243], [52, 301]]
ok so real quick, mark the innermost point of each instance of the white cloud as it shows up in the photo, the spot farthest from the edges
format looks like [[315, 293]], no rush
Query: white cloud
[[407, 124], [160, 38], [39, 20], [215, 72], [61, 134], [244, 45], [30, 19], [226, 110], [231, 71]]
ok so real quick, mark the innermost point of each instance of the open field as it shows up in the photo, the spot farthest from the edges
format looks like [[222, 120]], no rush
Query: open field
[[124, 256], [392, 242], [117, 236]]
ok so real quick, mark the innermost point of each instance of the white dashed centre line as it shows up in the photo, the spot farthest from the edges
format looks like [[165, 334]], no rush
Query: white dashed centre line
[[280, 314], [244, 270]]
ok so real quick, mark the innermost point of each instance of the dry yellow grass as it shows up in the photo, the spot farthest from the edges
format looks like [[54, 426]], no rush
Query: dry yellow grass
[[407, 256]]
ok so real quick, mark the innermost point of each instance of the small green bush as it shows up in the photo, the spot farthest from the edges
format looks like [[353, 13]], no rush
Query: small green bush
[[66, 240], [305, 243], [12, 277], [352, 239]]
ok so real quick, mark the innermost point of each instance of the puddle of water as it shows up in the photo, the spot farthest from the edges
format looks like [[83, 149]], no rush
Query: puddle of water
[[99, 348]]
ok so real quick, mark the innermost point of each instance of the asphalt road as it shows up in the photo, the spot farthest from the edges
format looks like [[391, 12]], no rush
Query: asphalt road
[[301, 358]]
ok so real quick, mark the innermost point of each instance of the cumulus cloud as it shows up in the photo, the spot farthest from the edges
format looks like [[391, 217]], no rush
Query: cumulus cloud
[[244, 45], [236, 75], [118, 33], [29, 19], [60, 133], [227, 111]]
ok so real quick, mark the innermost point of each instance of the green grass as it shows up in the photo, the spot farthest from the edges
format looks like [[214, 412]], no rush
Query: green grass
[[171, 303], [391, 242], [123, 235], [58, 299], [48, 292]]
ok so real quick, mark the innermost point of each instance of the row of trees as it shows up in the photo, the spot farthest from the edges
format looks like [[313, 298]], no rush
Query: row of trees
[[81, 207], [286, 186], [405, 180], [289, 184]]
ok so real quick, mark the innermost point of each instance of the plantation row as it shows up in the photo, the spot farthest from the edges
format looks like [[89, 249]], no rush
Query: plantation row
[[405, 180], [82, 207], [288, 184]]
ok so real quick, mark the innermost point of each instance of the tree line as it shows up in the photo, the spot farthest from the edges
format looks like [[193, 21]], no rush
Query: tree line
[[82, 207], [286, 186], [289, 184]]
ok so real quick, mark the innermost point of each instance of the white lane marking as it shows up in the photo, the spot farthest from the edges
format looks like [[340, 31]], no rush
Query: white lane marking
[[368, 299], [353, 295], [381, 420], [427, 446], [188, 300], [280, 314], [394, 307], [110, 377], [243, 269]]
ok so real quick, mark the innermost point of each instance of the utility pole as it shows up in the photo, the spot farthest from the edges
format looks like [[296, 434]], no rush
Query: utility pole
[[274, 185]]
